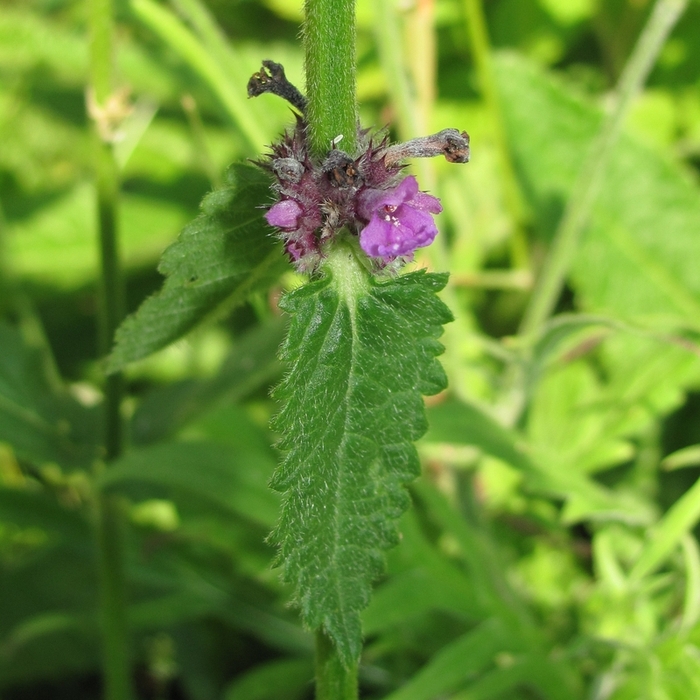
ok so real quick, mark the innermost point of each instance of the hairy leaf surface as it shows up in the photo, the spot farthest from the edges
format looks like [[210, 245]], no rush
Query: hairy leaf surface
[[360, 356], [217, 261]]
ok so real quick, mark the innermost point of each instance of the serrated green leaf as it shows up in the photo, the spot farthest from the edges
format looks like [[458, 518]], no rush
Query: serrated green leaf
[[225, 254], [361, 353]]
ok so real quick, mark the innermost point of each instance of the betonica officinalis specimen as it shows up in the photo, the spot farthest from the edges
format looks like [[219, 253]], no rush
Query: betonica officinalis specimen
[[361, 351]]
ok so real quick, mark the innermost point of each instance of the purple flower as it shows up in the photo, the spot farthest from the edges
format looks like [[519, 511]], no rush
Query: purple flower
[[399, 219], [284, 215]]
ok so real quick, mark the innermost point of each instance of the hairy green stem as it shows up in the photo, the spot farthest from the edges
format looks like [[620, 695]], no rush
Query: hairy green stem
[[512, 193], [329, 46], [113, 607], [663, 17], [333, 680]]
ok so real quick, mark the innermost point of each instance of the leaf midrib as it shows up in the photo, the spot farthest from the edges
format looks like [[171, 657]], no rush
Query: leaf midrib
[[352, 313]]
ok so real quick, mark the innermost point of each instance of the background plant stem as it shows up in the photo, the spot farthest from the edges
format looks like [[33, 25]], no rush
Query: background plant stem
[[333, 681], [5, 285], [389, 44], [211, 57], [512, 194], [329, 46], [663, 18], [113, 607], [412, 104]]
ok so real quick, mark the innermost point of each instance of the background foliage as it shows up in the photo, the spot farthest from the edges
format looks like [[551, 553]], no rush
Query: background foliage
[[550, 552]]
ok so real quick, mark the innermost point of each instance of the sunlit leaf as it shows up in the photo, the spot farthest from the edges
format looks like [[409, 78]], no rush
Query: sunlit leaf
[[251, 363], [222, 257]]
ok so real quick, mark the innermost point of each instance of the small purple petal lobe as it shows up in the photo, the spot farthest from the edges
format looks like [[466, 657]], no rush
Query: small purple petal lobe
[[399, 220], [427, 202], [285, 215]]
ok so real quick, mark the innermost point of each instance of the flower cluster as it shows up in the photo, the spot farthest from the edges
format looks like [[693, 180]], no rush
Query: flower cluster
[[364, 193]]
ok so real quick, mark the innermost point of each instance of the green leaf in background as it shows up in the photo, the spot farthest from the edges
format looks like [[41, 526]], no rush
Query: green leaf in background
[[637, 260], [41, 421], [421, 579], [457, 422], [235, 480], [37, 509], [463, 424], [252, 362], [669, 670], [456, 663], [219, 259], [56, 244], [667, 534], [635, 265], [289, 679], [47, 626], [361, 353], [533, 672]]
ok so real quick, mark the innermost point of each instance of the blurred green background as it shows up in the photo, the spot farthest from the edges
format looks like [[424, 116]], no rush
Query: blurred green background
[[551, 551]]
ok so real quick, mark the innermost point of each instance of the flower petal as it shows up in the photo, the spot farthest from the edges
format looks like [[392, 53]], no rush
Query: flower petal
[[285, 214], [393, 236], [370, 200], [375, 237], [426, 202]]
